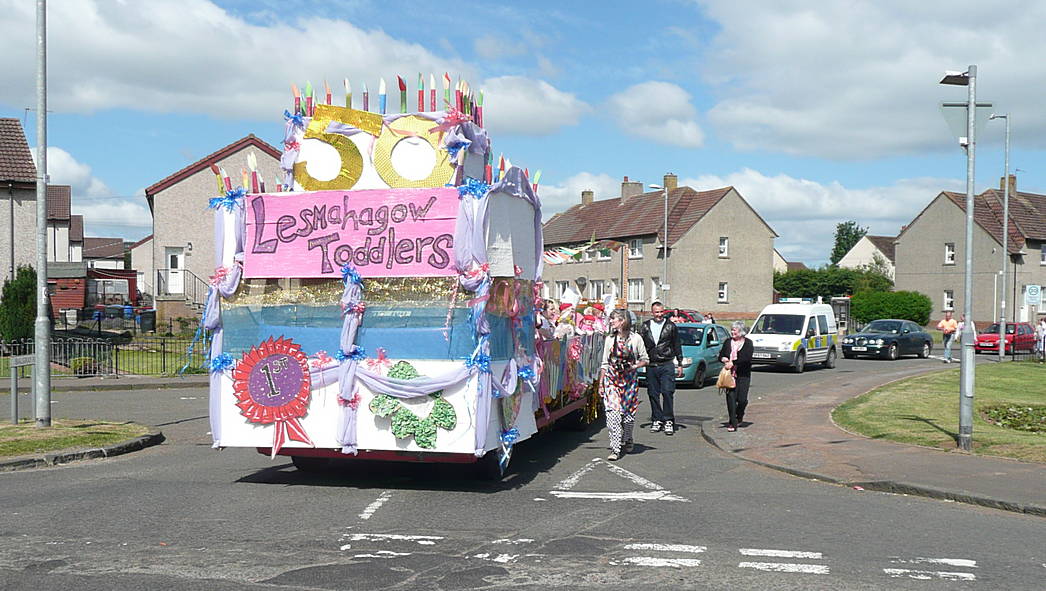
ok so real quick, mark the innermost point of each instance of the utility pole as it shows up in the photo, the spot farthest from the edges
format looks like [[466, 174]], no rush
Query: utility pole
[[1005, 239], [42, 334]]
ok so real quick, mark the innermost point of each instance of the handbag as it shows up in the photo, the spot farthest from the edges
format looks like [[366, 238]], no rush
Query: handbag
[[726, 380]]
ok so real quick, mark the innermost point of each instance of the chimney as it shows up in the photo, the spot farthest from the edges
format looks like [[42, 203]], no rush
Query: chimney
[[587, 196], [1013, 184], [671, 181], [630, 188]]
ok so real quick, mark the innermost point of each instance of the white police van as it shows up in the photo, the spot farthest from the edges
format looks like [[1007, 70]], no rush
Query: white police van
[[794, 333]]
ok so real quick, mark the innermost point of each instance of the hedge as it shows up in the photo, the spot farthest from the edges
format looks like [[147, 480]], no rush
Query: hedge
[[866, 306]]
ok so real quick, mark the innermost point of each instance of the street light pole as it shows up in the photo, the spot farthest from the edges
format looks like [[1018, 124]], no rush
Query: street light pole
[[966, 375], [1005, 237], [666, 287], [42, 332]]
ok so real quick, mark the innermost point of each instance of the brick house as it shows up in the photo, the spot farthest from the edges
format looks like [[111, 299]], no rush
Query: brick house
[[103, 253], [182, 244], [720, 255], [18, 187], [930, 252]]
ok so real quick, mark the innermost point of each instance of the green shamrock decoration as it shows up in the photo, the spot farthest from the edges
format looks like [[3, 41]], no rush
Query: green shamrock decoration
[[407, 424]]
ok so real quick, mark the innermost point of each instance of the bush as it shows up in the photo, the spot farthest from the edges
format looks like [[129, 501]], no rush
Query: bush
[[828, 282], [18, 305], [867, 305], [83, 366]]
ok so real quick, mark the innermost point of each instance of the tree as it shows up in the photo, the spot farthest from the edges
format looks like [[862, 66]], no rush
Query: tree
[[18, 305], [846, 235], [829, 281]]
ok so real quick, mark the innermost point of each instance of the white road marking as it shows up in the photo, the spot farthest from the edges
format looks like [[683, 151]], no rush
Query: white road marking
[[786, 567], [672, 562], [961, 562], [780, 553], [926, 575], [371, 508], [569, 482], [382, 554], [654, 495], [519, 541], [420, 540], [634, 477], [667, 547]]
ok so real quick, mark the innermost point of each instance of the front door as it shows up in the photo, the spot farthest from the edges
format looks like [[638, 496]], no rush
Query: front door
[[175, 262]]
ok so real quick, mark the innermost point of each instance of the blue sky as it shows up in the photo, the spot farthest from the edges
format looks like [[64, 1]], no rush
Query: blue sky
[[818, 112]]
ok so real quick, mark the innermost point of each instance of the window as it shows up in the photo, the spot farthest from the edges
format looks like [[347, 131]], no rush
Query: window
[[822, 323], [724, 246], [949, 253], [655, 288], [598, 289], [603, 254], [1042, 254], [635, 290], [811, 327], [614, 287], [586, 256], [544, 291], [635, 248], [724, 292], [949, 299], [561, 288]]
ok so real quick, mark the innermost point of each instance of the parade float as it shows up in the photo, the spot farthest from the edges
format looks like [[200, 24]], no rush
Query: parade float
[[379, 301]]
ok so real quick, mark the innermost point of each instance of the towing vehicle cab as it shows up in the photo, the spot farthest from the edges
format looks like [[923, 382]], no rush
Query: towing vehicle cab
[[795, 334]]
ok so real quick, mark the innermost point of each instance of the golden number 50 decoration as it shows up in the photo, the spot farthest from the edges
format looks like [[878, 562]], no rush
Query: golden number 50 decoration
[[388, 136]]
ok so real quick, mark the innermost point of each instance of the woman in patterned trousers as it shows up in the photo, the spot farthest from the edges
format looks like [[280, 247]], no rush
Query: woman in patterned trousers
[[623, 354]]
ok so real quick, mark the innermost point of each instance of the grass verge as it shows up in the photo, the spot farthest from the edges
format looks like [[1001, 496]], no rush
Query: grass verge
[[25, 439], [924, 410]]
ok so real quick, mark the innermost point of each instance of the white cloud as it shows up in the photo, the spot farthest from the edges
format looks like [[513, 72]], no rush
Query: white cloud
[[804, 213], [492, 47], [657, 111], [104, 213], [859, 80], [559, 198], [526, 106], [192, 56]]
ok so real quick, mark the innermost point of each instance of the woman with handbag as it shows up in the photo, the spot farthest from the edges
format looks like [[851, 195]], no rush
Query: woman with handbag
[[623, 354], [736, 356]]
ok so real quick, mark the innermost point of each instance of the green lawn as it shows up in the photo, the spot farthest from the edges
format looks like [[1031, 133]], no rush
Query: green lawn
[[924, 410], [26, 439]]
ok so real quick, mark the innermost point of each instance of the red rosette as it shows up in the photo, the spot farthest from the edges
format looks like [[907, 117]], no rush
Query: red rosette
[[272, 385]]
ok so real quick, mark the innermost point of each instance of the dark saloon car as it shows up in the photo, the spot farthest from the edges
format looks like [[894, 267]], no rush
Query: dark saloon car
[[888, 339]]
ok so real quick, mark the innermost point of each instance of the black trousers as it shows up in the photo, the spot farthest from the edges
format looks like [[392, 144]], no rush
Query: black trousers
[[661, 387], [737, 399]]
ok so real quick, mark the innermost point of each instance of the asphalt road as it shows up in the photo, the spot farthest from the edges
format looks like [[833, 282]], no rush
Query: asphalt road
[[677, 514]]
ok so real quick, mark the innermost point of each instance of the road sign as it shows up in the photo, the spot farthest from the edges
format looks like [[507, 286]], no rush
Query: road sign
[[1032, 295], [22, 360]]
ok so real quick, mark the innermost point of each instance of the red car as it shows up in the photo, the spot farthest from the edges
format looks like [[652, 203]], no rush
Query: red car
[[1019, 336]]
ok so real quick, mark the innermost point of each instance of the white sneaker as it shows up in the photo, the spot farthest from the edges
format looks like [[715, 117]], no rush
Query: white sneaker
[[656, 426], [670, 428]]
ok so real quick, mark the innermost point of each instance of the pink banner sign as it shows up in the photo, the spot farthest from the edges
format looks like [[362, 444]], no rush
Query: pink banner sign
[[381, 232]]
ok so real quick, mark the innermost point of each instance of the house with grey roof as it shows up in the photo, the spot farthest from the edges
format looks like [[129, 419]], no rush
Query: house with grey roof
[[930, 252], [871, 251], [18, 188], [720, 255], [103, 253], [65, 231]]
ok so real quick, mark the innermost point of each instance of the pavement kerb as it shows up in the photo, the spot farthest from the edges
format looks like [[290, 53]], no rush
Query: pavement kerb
[[123, 384], [150, 439], [890, 486]]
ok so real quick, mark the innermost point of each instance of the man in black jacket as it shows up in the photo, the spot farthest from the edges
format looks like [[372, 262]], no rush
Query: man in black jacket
[[666, 362]]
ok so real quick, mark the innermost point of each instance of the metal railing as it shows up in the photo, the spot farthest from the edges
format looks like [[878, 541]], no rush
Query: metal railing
[[194, 289], [85, 357]]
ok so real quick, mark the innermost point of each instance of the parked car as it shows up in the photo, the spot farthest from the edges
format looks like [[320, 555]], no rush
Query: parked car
[[1020, 333], [701, 343], [685, 315], [889, 339]]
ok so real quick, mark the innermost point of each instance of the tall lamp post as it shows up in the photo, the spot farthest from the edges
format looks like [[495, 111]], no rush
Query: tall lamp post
[[665, 286], [1005, 237], [968, 79]]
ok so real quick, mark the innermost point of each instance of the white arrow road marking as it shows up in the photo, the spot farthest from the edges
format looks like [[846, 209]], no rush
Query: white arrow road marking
[[371, 508], [784, 567], [420, 540], [654, 492], [382, 554], [961, 562]]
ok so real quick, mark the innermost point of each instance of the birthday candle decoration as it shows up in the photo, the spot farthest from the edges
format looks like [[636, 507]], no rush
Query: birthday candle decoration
[[446, 90], [432, 92], [479, 109], [252, 163], [297, 99], [348, 94], [488, 175], [403, 93], [421, 92], [327, 91], [225, 179], [218, 177], [308, 99], [537, 179], [457, 95], [366, 98], [382, 96], [261, 182]]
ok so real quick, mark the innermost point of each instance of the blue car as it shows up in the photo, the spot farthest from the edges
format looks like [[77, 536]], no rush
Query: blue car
[[701, 344]]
